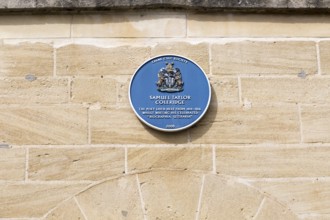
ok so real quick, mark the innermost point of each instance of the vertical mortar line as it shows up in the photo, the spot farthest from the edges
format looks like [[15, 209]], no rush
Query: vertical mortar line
[[141, 198], [81, 210], [126, 162], [214, 159], [259, 208], [27, 155], [300, 124], [200, 198], [71, 21], [188, 136], [240, 101], [210, 60], [186, 24], [318, 57]]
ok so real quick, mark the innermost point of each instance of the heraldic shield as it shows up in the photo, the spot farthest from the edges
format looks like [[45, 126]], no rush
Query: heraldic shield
[[169, 79]]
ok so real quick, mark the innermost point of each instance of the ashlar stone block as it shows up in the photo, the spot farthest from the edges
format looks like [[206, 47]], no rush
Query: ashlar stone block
[[26, 58], [75, 164], [254, 57]]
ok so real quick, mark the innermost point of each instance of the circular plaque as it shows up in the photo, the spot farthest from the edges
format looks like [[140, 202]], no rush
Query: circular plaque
[[169, 93]]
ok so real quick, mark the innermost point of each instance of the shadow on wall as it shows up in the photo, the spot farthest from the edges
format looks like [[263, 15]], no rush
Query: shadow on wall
[[205, 123]]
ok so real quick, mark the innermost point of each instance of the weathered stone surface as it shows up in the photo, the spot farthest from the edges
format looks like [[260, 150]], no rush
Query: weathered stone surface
[[273, 210], [223, 199], [224, 90], [302, 196], [43, 125], [91, 60], [94, 90], [273, 162], [116, 126], [170, 195], [315, 123], [132, 24], [66, 211], [23, 200], [252, 57], [34, 26], [12, 164], [196, 52], [114, 199], [300, 90], [26, 59], [34, 90], [122, 85], [250, 124], [140, 159], [325, 57], [75, 164], [257, 25]]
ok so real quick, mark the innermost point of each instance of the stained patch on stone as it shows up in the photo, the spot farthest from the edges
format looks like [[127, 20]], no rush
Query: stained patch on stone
[[30, 77]]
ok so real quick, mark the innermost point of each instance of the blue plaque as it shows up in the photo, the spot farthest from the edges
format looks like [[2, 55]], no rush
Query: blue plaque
[[170, 93]]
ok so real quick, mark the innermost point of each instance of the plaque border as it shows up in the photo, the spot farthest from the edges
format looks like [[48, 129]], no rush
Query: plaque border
[[164, 129]]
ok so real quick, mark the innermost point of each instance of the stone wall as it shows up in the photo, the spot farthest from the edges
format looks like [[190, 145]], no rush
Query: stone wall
[[72, 148]]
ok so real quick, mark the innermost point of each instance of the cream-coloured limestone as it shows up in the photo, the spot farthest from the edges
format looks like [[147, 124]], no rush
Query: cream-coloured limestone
[[273, 162], [255, 57], [325, 57], [199, 53], [35, 26], [114, 199], [225, 199], [140, 159], [255, 124], [224, 90], [249, 25], [315, 123], [43, 125], [66, 211], [94, 90], [91, 60], [263, 90], [26, 59], [273, 210], [121, 126], [12, 164], [22, 200], [303, 196], [131, 24], [170, 195], [122, 87], [39, 90], [75, 164]]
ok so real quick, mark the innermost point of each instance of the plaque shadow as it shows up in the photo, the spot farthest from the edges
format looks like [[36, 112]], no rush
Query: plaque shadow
[[184, 136], [203, 126]]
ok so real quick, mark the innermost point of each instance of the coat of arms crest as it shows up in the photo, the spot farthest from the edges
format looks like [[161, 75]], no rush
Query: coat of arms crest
[[169, 79]]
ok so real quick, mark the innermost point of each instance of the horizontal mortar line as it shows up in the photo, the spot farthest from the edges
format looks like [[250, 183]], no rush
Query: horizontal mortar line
[[188, 145], [48, 182], [21, 218], [288, 179], [38, 77], [280, 76], [111, 146], [147, 41]]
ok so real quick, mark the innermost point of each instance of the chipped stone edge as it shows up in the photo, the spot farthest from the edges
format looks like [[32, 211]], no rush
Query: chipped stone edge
[[245, 6]]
